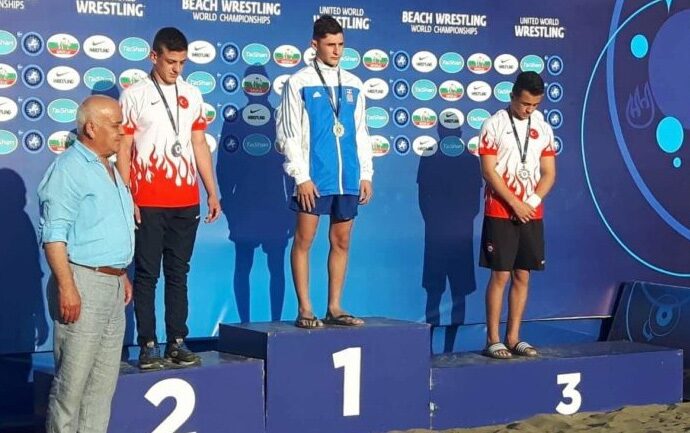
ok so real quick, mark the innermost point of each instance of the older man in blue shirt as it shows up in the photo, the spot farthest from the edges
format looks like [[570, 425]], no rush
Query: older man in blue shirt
[[87, 230]]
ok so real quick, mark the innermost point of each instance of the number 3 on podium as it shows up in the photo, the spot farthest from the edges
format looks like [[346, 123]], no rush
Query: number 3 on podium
[[570, 392]]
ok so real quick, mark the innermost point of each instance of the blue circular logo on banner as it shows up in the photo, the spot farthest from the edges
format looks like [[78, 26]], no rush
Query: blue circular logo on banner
[[230, 83], [401, 117], [554, 92], [402, 145], [401, 89], [502, 91], [32, 43], [230, 112], [99, 79], [32, 76], [230, 53], [452, 146], [134, 49], [424, 90], [8, 43], [557, 144], [555, 65], [451, 62], [33, 141], [63, 110], [202, 81], [401, 60], [555, 118], [33, 108], [256, 54], [350, 59], [231, 144], [377, 117], [257, 144], [476, 117]]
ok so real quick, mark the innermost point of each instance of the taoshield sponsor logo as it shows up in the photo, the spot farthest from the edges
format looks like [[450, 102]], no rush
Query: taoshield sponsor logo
[[401, 89], [131, 77], [401, 60], [230, 144], [63, 78], [33, 141], [452, 146], [479, 91], [33, 76], [479, 63], [33, 109], [350, 59], [309, 55], [554, 92], [8, 142], [402, 145], [476, 117], [451, 118], [425, 145], [230, 112], [502, 91], [451, 62], [201, 52], [99, 47], [375, 60], [558, 144], [555, 118], [63, 110], [380, 146], [377, 117], [230, 53], [424, 61], [451, 90], [287, 56], [424, 90], [256, 54], [211, 141], [424, 118], [209, 113], [59, 141], [506, 64], [63, 45], [8, 109], [375, 88], [473, 146], [8, 76], [279, 83], [555, 65], [256, 144], [202, 81], [256, 114], [99, 79], [32, 43], [256, 85], [134, 49], [401, 117], [8, 43], [532, 63], [230, 83]]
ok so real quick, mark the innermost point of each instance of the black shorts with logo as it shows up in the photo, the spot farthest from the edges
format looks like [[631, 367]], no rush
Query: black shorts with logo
[[508, 244]]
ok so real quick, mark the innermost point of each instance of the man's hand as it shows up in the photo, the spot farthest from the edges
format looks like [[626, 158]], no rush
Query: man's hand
[[523, 211], [213, 209], [366, 192], [128, 289], [70, 304], [137, 215], [306, 195]]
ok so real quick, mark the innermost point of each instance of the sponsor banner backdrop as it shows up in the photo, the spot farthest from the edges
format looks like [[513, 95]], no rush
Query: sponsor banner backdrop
[[433, 72]]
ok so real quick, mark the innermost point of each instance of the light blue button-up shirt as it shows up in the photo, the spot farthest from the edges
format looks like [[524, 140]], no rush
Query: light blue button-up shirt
[[83, 207]]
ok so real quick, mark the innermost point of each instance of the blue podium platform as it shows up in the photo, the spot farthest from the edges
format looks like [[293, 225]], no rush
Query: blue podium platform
[[469, 389], [366, 379], [224, 394]]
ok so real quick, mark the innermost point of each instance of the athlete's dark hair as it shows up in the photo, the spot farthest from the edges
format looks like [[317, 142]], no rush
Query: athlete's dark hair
[[530, 81], [170, 38], [326, 25]]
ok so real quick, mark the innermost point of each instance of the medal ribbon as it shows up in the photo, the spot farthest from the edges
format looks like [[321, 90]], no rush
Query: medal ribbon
[[523, 151], [334, 107], [167, 107]]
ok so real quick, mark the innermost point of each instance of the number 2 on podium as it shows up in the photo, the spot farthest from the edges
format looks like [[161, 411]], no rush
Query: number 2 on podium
[[350, 360]]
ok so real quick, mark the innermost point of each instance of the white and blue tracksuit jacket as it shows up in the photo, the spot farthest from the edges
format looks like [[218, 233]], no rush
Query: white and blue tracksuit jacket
[[305, 131]]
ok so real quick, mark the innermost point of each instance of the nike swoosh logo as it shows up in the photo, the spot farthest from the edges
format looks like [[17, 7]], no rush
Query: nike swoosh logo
[[449, 115], [422, 58], [254, 111], [199, 47], [155, 102], [61, 74], [97, 43]]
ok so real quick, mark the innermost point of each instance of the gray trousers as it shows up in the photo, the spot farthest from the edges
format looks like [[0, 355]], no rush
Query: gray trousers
[[87, 354]]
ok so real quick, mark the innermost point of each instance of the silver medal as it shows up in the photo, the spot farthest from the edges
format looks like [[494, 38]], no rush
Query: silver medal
[[338, 129], [523, 173], [176, 149]]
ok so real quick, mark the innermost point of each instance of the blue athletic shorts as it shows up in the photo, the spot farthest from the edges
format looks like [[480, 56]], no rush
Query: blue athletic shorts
[[340, 207]]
